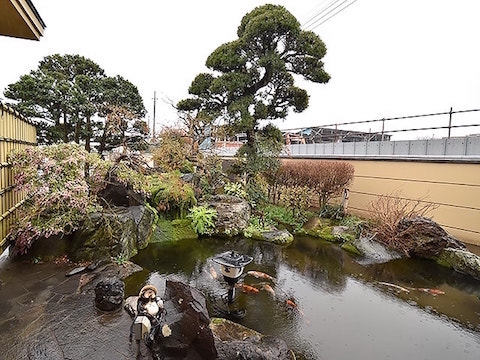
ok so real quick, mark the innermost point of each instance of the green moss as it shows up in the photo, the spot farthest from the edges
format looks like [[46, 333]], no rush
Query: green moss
[[445, 260], [349, 247], [173, 230], [217, 321], [254, 234], [324, 233], [346, 237]]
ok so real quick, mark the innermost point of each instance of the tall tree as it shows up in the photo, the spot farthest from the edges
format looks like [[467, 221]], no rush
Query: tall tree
[[253, 76], [60, 91], [122, 109], [67, 92]]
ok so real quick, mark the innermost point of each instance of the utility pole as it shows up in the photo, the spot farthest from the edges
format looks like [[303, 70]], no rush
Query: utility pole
[[154, 104]]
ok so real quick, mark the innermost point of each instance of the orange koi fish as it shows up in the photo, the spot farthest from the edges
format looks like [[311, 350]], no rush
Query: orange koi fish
[[213, 273], [292, 304], [268, 289], [260, 275], [248, 288], [433, 292]]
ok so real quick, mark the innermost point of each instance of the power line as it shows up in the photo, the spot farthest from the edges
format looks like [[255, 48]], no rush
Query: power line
[[316, 11], [326, 13], [339, 11], [315, 21]]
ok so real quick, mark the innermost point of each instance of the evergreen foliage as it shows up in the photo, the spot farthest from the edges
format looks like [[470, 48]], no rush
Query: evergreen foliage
[[253, 76], [67, 93]]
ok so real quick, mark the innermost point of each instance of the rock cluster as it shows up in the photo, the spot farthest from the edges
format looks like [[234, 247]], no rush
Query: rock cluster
[[425, 238], [461, 261], [233, 214], [234, 341], [185, 331], [120, 232]]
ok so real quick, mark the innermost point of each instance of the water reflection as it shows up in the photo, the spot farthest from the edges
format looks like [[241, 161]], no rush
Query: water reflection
[[340, 308], [320, 263]]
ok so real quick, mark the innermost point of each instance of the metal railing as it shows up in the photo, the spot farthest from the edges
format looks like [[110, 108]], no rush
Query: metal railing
[[380, 127], [380, 140]]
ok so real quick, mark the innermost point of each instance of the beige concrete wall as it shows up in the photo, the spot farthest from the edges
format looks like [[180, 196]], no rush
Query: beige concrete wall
[[454, 187]]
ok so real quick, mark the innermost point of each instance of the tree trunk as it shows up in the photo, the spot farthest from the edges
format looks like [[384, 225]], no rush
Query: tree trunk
[[89, 133], [77, 131], [251, 139], [65, 128], [76, 138], [103, 141], [251, 153]]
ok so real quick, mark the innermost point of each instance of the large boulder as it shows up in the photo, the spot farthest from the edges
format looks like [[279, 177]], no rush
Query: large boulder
[[184, 333], [373, 252], [117, 193], [275, 236], [119, 233], [233, 214], [462, 261], [424, 238], [234, 341]]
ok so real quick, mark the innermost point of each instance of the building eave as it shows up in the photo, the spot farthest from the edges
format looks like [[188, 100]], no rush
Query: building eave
[[20, 19]]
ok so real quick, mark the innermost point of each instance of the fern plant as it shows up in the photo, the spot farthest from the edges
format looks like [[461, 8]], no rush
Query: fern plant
[[203, 219]]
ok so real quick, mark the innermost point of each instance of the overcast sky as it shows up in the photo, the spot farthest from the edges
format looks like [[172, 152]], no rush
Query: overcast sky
[[386, 58]]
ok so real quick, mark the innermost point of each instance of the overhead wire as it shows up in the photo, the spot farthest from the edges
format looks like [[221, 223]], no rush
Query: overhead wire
[[339, 11], [316, 20], [316, 11]]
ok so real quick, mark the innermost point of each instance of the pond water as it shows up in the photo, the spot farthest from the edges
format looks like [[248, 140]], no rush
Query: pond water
[[343, 306]]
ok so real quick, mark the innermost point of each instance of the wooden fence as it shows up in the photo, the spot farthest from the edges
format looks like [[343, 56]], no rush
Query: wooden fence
[[16, 132]]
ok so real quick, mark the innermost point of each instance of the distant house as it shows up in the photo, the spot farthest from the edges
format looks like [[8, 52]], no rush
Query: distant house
[[311, 135], [20, 19], [318, 134]]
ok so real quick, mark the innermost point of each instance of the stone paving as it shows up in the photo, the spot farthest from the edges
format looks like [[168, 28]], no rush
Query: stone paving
[[46, 315]]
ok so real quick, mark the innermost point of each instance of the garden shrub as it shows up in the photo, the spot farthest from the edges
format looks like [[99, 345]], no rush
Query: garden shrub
[[274, 214], [324, 178], [235, 189], [256, 192], [296, 198], [210, 176], [60, 183], [174, 151], [130, 171], [260, 157], [387, 211], [256, 227], [169, 193]]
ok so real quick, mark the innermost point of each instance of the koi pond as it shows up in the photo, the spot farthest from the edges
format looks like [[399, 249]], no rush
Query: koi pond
[[325, 303]]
